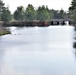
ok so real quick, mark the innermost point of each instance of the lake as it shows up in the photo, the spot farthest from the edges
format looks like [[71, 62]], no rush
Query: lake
[[38, 51]]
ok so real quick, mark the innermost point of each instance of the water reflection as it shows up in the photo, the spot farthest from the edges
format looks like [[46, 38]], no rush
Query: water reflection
[[74, 44]]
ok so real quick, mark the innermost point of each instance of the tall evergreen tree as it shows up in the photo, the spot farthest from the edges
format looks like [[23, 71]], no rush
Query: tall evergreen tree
[[73, 5], [43, 13], [72, 11], [1, 7], [19, 13], [6, 15], [30, 12]]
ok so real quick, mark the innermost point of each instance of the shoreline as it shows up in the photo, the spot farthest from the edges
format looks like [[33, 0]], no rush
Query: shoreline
[[4, 32], [35, 23]]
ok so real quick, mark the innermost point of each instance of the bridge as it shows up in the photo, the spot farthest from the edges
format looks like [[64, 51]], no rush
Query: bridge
[[60, 22]]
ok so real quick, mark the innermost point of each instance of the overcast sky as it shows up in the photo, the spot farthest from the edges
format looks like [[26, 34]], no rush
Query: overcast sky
[[55, 4]]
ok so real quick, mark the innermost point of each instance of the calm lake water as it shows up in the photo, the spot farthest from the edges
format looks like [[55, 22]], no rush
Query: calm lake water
[[38, 51]]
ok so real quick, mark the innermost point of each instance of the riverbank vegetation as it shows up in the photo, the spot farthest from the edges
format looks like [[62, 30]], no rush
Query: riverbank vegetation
[[4, 31], [30, 13]]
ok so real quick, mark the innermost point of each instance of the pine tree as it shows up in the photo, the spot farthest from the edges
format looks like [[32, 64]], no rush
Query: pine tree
[[72, 11], [1, 7], [73, 5]]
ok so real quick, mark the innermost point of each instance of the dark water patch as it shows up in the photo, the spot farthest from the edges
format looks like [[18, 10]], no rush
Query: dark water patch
[[74, 44]]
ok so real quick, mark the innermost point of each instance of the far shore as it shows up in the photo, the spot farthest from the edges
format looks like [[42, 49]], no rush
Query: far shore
[[32, 23], [29, 23]]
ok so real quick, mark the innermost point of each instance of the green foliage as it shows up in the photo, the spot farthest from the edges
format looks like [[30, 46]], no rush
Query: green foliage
[[19, 13], [73, 5], [1, 7], [59, 14], [51, 14], [6, 15], [43, 13], [72, 11], [30, 12]]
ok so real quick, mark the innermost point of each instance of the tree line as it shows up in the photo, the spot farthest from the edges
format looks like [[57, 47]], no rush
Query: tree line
[[30, 13], [41, 13]]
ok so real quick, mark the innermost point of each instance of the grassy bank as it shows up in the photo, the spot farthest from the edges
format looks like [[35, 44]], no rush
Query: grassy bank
[[4, 32]]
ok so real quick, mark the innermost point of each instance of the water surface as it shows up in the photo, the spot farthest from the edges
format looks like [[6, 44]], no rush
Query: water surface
[[38, 51]]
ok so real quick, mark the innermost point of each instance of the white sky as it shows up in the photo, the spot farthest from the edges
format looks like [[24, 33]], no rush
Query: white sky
[[55, 4]]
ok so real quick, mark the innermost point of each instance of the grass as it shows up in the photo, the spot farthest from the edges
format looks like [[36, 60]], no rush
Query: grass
[[4, 32]]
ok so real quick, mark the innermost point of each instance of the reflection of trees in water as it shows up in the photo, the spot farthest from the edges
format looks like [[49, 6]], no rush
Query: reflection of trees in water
[[75, 28], [74, 44]]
